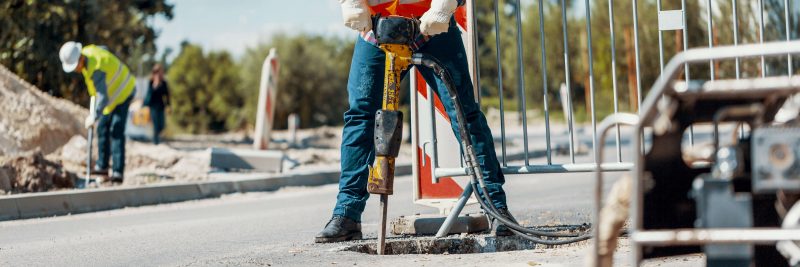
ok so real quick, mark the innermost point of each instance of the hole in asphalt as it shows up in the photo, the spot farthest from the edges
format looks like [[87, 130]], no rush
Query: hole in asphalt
[[455, 244]]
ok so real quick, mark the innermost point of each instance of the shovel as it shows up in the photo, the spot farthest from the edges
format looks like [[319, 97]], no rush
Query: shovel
[[92, 106], [89, 158]]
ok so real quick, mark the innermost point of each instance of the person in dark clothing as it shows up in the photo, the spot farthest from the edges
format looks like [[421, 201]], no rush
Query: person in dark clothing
[[157, 100]]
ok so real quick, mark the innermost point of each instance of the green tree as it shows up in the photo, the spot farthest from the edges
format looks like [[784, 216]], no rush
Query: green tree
[[205, 91], [312, 80], [33, 30], [626, 76]]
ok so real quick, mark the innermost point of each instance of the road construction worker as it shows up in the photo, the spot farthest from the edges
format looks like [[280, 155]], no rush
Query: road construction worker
[[441, 39], [111, 87]]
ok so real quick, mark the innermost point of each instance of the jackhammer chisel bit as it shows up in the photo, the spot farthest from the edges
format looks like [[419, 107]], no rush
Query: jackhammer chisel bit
[[395, 36]]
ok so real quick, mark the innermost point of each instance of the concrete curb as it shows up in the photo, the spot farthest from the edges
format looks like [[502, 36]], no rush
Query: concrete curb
[[35, 205]]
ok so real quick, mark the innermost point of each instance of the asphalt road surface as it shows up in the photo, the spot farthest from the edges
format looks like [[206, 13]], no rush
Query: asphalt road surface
[[277, 229]]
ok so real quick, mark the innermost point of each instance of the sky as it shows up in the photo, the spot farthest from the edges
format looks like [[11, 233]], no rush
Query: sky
[[234, 25]]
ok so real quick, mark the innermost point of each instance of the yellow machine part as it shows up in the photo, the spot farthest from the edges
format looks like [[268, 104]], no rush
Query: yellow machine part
[[398, 59]]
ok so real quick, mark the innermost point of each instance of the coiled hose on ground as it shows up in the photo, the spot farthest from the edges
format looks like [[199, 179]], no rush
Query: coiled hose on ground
[[477, 183]]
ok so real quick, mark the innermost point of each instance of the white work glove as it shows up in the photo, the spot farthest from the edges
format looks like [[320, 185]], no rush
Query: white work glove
[[89, 122], [437, 19], [356, 15]]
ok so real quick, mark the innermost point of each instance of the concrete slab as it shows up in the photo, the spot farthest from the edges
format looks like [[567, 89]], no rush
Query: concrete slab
[[141, 196], [43, 204], [312, 179], [260, 160], [216, 189], [8, 209], [258, 184], [428, 224], [180, 192], [96, 200]]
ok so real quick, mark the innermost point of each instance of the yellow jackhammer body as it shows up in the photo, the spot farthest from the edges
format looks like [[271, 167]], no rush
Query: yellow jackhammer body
[[395, 36]]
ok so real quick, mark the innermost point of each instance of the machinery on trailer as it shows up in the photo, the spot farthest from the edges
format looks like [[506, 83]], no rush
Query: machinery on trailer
[[739, 206]]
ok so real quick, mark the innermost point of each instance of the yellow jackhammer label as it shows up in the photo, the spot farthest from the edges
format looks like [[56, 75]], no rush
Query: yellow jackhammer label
[[398, 58], [381, 177]]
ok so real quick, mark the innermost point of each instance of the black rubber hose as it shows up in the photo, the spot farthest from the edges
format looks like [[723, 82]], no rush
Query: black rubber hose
[[527, 234], [424, 60]]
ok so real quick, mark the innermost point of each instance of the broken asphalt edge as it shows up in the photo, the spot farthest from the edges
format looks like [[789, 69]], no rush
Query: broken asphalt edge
[[47, 204]]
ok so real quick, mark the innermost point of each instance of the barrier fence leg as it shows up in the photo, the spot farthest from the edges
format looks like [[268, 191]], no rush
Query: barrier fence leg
[[451, 218]]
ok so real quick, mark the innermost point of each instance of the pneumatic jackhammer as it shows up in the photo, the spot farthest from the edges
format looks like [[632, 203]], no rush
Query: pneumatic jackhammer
[[395, 36]]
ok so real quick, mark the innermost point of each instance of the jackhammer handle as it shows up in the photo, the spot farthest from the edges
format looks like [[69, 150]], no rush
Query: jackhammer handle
[[395, 30]]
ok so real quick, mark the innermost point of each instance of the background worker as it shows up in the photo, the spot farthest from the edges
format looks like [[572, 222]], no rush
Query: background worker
[[111, 86], [441, 39], [157, 100]]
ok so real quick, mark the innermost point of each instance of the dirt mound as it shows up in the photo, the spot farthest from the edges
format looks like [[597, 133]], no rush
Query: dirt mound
[[31, 120], [145, 163], [33, 173]]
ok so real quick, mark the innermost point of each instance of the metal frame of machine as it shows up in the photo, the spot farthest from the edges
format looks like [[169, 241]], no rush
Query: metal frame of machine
[[661, 176]]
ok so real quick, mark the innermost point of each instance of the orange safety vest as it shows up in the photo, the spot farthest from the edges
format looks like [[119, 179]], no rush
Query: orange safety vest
[[405, 8], [410, 9]]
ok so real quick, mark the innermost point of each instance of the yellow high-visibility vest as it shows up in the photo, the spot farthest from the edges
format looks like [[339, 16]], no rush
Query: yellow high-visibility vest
[[119, 83]]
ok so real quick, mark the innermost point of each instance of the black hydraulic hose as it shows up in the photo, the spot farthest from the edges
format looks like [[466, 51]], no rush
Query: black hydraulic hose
[[474, 170], [527, 234]]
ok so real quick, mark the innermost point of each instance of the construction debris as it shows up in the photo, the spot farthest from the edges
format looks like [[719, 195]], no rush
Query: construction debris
[[34, 124], [145, 163], [43, 145], [32, 120], [33, 173]]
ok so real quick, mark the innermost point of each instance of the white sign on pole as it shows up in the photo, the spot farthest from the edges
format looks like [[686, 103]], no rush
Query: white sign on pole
[[670, 20], [265, 113]]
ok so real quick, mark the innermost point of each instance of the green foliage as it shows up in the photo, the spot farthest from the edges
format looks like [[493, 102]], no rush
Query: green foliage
[[314, 69], [312, 80], [205, 91], [579, 81], [492, 101], [213, 92], [33, 31]]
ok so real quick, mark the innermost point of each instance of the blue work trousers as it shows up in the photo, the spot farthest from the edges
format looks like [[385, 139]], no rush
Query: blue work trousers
[[365, 92], [111, 137], [159, 120]]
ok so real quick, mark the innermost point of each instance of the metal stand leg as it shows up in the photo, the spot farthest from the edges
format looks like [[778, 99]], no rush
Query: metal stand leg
[[451, 218]]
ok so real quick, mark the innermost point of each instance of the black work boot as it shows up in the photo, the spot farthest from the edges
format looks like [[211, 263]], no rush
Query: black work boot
[[500, 229], [116, 177], [99, 171], [338, 229]]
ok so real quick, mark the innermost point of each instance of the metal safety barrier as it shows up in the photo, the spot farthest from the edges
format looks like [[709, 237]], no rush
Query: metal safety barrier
[[667, 21]]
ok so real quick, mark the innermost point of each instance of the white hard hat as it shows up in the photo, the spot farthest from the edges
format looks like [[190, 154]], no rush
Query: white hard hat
[[69, 54]]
